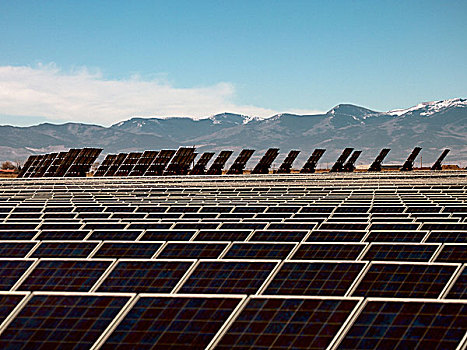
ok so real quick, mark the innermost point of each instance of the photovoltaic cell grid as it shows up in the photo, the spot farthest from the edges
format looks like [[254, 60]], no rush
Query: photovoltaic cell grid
[[340, 239]]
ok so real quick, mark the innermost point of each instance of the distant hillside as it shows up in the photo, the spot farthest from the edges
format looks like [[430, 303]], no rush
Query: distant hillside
[[432, 126]]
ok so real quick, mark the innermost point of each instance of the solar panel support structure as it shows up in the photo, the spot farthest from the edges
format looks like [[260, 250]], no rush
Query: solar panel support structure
[[266, 161], [200, 166], [180, 164], [408, 165], [376, 165], [339, 164], [239, 164], [349, 167], [218, 165], [157, 167], [143, 163], [437, 165], [310, 166], [286, 166]]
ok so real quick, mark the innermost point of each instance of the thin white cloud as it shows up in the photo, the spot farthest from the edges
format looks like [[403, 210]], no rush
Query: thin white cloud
[[84, 96]]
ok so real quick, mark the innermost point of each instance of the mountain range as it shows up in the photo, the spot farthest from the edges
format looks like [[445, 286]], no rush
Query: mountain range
[[430, 125]]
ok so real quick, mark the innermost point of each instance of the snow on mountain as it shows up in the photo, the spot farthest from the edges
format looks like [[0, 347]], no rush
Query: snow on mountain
[[429, 108]]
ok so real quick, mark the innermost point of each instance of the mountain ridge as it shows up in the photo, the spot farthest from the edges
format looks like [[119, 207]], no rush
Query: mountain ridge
[[432, 125]]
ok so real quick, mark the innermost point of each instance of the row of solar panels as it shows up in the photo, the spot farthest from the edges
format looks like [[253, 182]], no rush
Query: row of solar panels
[[189, 322], [238, 276], [76, 162], [255, 248]]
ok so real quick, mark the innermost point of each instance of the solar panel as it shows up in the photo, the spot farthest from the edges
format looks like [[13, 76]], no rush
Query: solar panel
[[145, 276], [143, 163], [400, 252], [328, 251], [310, 165], [115, 235], [408, 165], [287, 323], [64, 249], [128, 164], [171, 323], [168, 235], [278, 235], [11, 270], [407, 324], [336, 236], [227, 277], [15, 249], [61, 321], [350, 165], [26, 165], [135, 250], [200, 167], [240, 162], [339, 164], [410, 280], [47, 160], [376, 165], [259, 251], [314, 278], [113, 167], [266, 161], [64, 275], [83, 162], [32, 168], [222, 235], [455, 253], [157, 167], [192, 250], [104, 166], [286, 166], [396, 236], [459, 288], [219, 163], [8, 302], [447, 236], [181, 162]]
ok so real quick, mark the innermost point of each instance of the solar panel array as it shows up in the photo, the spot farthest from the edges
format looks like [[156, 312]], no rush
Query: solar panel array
[[339, 261]]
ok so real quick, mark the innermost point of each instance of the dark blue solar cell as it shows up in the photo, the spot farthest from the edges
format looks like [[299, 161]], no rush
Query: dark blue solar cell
[[287, 324], [242, 226], [104, 226], [455, 253], [396, 236], [64, 249], [343, 226], [19, 235], [61, 322], [227, 277], [135, 250], [150, 226], [60, 226], [168, 235], [291, 226], [407, 325], [171, 323], [196, 226], [145, 276], [259, 251], [192, 250], [336, 236], [395, 226], [279, 236], [115, 235], [404, 280], [400, 252], [331, 251], [314, 278], [65, 275], [445, 226], [62, 235], [11, 271], [7, 303], [447, 237], [223, 235], [15, 249], [459, 288]]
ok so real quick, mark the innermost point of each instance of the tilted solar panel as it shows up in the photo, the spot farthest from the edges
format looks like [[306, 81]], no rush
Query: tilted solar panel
[[400, 252], [407, 324], [64, 249], [287, 323], [61, 321], [192, 250], [145, 276], [15, 249], [328, 251], [11, 270], [171, 323], [314, 278], [135, 250], [410, 280]]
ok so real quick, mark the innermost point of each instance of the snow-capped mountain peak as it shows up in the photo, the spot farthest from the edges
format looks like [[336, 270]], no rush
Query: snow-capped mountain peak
[[429, 108]]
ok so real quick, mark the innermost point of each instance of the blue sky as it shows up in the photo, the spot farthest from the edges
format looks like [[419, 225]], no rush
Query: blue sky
[[104, 61]]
